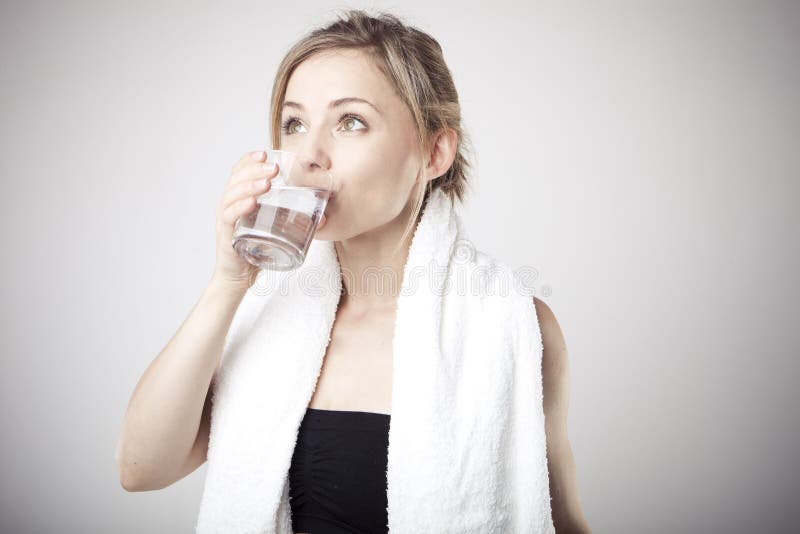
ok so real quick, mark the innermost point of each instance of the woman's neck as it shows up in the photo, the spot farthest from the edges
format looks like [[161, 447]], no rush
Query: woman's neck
[[372, 265]]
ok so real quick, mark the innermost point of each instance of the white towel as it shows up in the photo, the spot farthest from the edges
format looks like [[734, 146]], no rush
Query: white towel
[[467, 451]]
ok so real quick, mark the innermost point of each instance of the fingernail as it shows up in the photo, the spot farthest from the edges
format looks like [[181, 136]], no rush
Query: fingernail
[[257, 155]]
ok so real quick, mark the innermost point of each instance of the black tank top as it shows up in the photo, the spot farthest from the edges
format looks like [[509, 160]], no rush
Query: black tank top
[[337, 479]]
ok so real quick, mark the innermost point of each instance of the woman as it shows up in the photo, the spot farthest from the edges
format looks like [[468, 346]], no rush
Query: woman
[[372, 100]]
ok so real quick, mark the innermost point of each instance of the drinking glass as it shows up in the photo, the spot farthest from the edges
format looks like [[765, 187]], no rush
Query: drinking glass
[[277, 233]]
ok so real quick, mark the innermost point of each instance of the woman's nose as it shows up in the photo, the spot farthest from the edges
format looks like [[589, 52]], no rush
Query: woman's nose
[[315, 168], [313, 163], [316, 149], [314, 158]]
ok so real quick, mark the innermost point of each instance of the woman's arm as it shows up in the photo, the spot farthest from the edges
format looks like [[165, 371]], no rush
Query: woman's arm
[[165, 430], [568, 516]]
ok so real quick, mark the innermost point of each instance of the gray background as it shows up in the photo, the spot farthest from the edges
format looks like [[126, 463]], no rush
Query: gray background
[[642, 156]]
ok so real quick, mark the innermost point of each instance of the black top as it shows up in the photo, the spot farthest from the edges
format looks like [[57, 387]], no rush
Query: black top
[[337, 479]]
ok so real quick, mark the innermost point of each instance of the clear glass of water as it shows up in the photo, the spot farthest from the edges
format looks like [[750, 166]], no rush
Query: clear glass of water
[[277, 233]]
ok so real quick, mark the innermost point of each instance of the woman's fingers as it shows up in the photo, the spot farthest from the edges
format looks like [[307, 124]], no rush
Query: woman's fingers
[[236, 209], [255, 156], [242, 189], [250, 179]]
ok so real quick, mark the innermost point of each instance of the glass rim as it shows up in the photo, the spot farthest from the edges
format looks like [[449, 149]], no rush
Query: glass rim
[[280, 181]]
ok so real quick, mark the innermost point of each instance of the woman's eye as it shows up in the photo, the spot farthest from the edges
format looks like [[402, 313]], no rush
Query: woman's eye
[[351, 120], [349, 123], [289, 128]]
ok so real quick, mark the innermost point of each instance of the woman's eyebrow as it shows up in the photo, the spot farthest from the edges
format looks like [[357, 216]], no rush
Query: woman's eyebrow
[[335, 103]]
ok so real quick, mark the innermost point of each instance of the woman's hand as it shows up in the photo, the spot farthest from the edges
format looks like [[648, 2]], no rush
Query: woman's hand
[[250, 177]]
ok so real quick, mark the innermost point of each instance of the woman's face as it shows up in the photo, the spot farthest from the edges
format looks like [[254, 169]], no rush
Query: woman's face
[[370, 150]]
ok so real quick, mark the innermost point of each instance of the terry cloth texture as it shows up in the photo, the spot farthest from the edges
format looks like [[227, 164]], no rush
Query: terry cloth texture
[[467, 448]]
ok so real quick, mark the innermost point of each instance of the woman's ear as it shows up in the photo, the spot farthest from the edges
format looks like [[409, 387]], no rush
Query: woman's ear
[[444, 146]]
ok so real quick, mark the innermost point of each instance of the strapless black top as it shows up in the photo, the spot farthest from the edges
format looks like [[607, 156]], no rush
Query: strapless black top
[[337, 478]]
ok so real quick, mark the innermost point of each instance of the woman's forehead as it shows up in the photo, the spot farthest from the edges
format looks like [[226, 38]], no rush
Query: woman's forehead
[[336, 74]]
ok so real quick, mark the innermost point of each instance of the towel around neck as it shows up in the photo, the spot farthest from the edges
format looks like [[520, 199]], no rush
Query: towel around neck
[[467, 448]]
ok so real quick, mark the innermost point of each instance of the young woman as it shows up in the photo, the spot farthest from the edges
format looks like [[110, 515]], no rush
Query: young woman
[[373, 101]]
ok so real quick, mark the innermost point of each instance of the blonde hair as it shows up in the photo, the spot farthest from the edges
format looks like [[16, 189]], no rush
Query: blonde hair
[[413, 63]]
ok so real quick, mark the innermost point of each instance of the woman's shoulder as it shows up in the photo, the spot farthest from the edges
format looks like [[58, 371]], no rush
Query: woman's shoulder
[[552, 335]]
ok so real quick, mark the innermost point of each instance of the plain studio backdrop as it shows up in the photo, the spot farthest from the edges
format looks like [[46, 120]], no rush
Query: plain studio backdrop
[[642, 157]]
